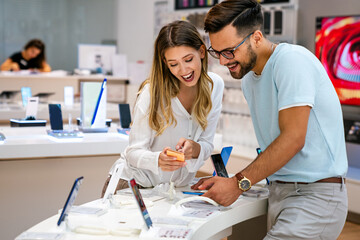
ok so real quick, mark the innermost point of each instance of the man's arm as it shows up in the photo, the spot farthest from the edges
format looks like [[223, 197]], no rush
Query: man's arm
[[293, 126]]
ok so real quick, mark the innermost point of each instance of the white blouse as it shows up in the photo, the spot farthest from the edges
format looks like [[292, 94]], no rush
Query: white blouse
[[142, 154]]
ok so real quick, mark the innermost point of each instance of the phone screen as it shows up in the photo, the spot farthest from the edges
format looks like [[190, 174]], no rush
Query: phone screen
[[125, 116], [55, 115], [25, 94], [140, 202], [70, 200], [258, 150], [219, 165], [193, 193]]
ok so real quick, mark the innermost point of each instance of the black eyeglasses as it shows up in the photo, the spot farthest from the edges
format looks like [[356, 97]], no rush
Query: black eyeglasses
[[228, 54]]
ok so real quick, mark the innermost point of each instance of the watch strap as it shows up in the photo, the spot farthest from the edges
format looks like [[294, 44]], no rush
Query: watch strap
[[239, 176]]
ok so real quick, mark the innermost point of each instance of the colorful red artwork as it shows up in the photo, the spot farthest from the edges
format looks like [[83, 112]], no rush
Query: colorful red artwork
[[337, 45]]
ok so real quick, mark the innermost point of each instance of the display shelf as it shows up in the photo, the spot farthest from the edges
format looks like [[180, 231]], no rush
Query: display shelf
[[232, 84], [242, 109]]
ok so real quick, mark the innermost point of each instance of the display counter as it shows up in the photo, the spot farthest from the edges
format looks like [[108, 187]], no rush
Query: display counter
[[217, 225], [16, 110], [36, 172]]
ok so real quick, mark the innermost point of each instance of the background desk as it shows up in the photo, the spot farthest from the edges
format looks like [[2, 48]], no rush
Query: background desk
[[36, 173], [53, 83], [216, 227]]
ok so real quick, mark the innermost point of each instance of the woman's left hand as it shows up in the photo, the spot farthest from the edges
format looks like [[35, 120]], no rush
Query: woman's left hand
[[190, 148]]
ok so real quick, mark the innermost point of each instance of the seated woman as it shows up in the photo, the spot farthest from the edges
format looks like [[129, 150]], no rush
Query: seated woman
[[177, 108], [32, 58]]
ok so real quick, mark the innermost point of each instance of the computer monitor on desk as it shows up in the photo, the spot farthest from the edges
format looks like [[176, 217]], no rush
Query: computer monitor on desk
[[96, 57]]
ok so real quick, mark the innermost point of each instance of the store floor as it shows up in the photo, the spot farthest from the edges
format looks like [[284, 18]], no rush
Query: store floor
[[351, 231]]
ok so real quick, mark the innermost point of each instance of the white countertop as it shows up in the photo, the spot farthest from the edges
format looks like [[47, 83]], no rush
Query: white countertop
[[16, 110], [33, 142], [218, 225]]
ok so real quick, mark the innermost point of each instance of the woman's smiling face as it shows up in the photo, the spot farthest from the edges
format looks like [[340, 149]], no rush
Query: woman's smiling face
[[185, 63]]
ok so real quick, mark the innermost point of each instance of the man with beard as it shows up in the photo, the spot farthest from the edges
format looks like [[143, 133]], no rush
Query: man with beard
[[298, 124]]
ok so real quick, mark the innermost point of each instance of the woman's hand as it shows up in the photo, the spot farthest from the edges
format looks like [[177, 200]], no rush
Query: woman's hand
[[167, 163], [190, 148], [14, 67]]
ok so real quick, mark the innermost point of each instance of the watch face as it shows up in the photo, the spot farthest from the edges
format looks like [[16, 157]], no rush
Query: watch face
[[245, 184]]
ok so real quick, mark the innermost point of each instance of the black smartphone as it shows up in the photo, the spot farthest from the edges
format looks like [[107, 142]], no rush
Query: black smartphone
[[219, 165], [55, 115], [70, 200], [125, 116], [258, 150]]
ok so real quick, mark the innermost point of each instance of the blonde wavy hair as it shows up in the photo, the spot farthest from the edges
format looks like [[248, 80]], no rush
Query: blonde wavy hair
[[164, 85]]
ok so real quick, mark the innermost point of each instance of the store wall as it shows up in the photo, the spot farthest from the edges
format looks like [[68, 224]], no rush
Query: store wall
[[60, 24], [135, 31]]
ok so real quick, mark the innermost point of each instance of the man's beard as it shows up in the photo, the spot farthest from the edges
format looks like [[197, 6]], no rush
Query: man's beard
[[245, 67]]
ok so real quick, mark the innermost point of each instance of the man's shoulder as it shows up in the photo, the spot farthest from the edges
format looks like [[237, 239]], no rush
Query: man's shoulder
[[286, 50]]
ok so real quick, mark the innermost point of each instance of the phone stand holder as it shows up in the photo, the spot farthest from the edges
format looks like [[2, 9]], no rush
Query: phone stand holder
[[30, 117], [94, 130], [65, 134], [25, 122], [125, 131]]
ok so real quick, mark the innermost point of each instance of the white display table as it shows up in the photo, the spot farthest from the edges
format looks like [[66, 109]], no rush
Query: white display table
[[213, 227], [36, 172]]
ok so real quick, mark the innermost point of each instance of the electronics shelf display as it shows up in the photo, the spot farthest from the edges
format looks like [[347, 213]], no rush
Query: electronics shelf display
[[337, 44], [189, 4]]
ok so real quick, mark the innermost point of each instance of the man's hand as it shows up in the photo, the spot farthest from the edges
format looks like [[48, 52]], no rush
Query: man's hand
[[224, 191]]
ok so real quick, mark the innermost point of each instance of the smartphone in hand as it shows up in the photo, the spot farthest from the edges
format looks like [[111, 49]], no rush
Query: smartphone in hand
[[219, 165]]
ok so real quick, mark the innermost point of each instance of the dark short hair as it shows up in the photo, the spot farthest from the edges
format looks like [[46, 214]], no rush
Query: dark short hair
[[244, 15]]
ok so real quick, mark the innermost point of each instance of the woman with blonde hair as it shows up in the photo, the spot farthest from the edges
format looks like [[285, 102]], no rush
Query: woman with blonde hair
[[177, 108]]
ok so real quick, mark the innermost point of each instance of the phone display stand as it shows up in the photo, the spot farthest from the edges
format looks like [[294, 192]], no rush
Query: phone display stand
[[125, 131], [115, 177], [65, 134], [93, 130], [30, 118], [196, 198], [108, 122], [93, 107], [27, 122]]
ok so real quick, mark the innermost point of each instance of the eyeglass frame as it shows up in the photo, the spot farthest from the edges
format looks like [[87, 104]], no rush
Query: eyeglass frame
[[218, 53]]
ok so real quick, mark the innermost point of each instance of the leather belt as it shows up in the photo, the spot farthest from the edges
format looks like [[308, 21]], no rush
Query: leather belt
[[325, 180]]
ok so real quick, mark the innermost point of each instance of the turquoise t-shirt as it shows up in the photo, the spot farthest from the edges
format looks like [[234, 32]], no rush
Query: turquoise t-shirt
[[293, 76]]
